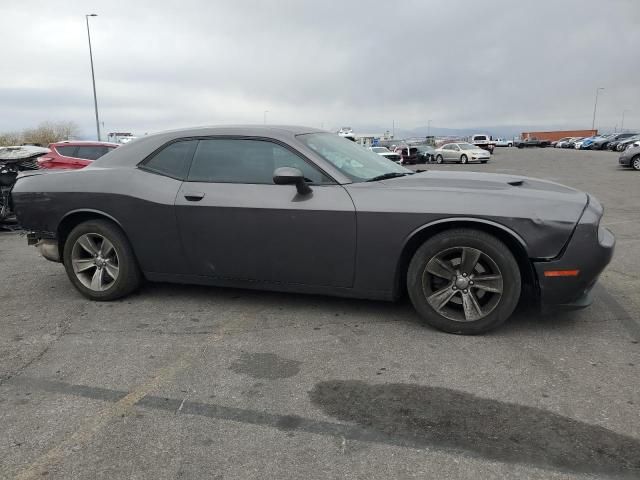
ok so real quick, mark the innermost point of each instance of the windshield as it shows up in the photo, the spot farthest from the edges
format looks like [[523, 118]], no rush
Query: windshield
[[466, 146], [352, 160]]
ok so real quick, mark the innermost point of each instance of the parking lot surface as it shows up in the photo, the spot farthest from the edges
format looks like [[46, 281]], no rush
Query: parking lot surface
[[191, 382]]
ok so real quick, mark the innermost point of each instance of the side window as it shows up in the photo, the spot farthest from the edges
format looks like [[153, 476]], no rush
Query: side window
[[67, 151], [245, 161], [90, 152], [173, 160]]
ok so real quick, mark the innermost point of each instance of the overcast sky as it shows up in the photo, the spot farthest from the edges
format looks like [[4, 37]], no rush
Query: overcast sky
[[459, 63]]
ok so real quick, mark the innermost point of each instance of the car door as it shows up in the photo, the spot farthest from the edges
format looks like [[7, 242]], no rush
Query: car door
[[455, 153], [448, 152], [235, 223]]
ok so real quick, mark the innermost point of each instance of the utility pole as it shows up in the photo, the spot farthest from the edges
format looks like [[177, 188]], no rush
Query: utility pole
[[93, 77], [622, 123], [595, 106]]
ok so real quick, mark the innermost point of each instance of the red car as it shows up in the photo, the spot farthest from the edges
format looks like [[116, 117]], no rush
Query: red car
[[74, 155]]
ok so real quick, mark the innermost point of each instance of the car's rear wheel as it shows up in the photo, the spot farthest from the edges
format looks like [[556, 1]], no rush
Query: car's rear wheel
[[635, 162], [439, 159], [464, 281], [463, 159], [100, 261]]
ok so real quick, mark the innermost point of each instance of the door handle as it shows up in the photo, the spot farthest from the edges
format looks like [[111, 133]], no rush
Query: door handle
[[194, 196]]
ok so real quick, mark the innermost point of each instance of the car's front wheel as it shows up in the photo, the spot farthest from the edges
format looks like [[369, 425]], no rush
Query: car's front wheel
[[464, 281], [100, 261], [463, 159], [635, 162], [439, 159]]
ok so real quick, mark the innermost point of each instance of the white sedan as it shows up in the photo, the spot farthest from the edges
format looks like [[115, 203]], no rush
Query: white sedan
[[462, 153], [386, 153]]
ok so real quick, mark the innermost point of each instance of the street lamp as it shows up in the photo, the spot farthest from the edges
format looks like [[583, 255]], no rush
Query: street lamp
[[93, 78], [622, 124], [428, 127], [264, 116], [595, 106]]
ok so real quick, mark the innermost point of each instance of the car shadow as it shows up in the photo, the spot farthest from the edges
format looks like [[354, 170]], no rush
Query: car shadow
[[524, 320]]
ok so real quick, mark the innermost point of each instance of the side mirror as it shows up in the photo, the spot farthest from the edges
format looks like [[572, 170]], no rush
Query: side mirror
[[291, 176]]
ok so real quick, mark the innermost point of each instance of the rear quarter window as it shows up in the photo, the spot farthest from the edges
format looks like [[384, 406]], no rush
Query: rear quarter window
[[172, 160], [67, 150]]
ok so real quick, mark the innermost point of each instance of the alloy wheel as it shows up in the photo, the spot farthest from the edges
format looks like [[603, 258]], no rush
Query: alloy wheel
[[95, 262], [636, 163], [462, 284]]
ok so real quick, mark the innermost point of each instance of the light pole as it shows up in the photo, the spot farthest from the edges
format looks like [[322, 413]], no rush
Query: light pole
[[264, 117], [93, 77], [622, 124], [595, 106], [428, 127]]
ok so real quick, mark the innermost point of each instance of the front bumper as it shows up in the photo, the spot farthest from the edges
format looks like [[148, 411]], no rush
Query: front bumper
[[589, 251], [624, 161]]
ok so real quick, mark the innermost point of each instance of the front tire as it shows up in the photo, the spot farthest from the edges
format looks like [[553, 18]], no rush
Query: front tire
[[464, 281], [100, 261], [463, 159], [635, 163]]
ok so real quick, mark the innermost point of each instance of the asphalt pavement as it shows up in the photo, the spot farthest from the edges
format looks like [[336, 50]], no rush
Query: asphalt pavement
[[193, 382]]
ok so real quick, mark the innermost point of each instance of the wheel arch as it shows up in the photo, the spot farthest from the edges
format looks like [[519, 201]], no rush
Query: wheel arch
[[74, 218], [511, 239]]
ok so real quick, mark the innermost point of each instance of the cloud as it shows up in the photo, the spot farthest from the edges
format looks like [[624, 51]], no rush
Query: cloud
[[166, 64]]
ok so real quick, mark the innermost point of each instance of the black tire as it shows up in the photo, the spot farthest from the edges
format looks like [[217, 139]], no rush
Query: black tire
[[464, 159], [509, 144], [129, 276], [439, 159], [635, 163], [489, 246]]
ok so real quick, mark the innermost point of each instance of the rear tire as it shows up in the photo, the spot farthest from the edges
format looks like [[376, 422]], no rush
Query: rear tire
[[482, 299], [439, 159], [100, 262]]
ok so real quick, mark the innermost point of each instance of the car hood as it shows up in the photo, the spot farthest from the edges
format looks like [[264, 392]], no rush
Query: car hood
[[542, 213]]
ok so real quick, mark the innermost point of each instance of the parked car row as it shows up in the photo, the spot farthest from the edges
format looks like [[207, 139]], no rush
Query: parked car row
[[614, 141]]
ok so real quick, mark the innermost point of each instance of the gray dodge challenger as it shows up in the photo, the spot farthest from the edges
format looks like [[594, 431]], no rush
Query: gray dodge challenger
[[302, 210]]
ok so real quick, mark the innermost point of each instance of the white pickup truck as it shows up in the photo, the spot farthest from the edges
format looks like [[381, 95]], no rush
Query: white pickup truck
[[483, 141]]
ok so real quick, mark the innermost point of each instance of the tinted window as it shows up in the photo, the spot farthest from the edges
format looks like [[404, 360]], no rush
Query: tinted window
[[67, 151], [172, 160], [246, 161], [91, 152], [479, 138]]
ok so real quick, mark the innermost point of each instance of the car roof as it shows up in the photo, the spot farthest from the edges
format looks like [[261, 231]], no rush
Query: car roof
[[74, 143], [141, 147]]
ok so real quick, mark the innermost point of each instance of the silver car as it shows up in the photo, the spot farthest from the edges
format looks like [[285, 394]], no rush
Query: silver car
[[462, 153]]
